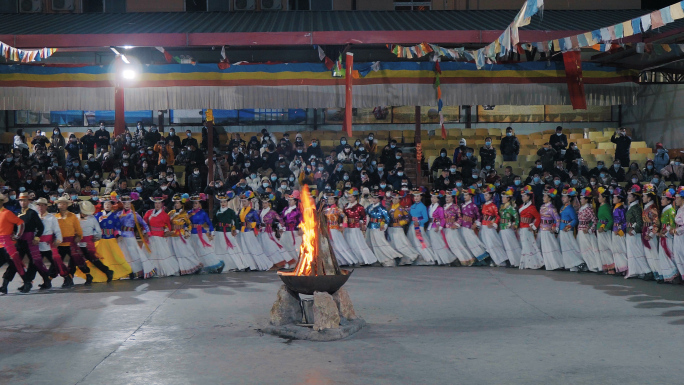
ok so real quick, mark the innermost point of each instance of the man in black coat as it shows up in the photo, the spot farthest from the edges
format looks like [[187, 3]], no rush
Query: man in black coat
[[510, 146], [152, 137], [88, 141], [102, 138], [487, 154], [559, 142], [622, 145], [442, 162], [617, 172]]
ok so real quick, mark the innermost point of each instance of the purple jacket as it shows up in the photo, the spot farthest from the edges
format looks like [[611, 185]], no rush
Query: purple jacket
[[437, 217], [292, 218], [469, 214]]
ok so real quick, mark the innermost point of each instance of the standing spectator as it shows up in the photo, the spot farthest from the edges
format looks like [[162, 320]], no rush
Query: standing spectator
[[622, 145], [166, 157], [189, 140], [88, 142], [487, 155], [40, 139], [173, 138], [441, 163], [547, 155], [58, 144], [559, 142], [152, 137], [459, 151], [662, 158], [674, 171], [102, 138], [468, 164], [73, 148], [571, 154], [510, 146], [20, 143]]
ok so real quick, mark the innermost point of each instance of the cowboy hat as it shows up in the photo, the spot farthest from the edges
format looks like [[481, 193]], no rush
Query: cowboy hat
[[64, 198], [41, 201], [24, 196], [87, 208]]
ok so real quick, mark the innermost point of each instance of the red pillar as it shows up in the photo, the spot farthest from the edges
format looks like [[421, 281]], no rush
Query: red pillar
[[119, 108], [419, 149], [348, 95]]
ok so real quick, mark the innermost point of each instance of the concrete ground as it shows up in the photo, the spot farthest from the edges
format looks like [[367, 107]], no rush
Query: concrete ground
[[427, 325]]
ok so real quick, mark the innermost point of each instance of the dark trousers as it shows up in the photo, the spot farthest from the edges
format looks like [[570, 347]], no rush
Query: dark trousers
[[94, 260], [11, 269], [74, 260], [52, 272], [33, 252], [510, 158]]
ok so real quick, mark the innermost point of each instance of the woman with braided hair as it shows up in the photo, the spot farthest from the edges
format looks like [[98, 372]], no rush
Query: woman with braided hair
[[550, 221], [509, 223], [181, 248], [202, 238], [637, 266], [604, 231], [586, 232], [649, 230], [132, 223], [678, 242], [666, 257], [530, 221], [618, 245]]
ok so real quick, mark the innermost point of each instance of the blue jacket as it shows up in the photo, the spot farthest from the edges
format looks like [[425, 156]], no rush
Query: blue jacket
[[567, 214], [418, 210]]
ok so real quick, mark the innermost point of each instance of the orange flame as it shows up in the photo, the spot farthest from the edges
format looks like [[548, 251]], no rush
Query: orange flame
[[309, 249]]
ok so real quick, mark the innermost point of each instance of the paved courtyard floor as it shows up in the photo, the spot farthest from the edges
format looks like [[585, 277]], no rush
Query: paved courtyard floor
[[426, 325]]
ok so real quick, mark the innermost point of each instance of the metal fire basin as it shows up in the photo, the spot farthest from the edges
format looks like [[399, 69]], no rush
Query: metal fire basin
[[308, 284]]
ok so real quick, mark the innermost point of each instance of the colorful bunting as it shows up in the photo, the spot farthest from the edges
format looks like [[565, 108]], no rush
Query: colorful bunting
[[324, 58], [18, 55]]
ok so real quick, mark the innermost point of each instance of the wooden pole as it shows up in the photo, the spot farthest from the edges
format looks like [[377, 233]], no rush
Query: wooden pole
[[348, 95], [419, 150]]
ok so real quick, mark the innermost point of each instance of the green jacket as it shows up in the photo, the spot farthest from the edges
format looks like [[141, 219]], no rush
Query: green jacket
[[509, 217], [634, 219], [667, 218], [605, 217], [226, 218]]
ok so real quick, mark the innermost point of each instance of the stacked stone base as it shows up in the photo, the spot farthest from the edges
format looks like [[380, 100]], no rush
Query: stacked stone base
[[334, 317]]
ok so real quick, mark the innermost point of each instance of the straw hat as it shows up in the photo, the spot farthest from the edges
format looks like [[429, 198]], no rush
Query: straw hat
[[87, 208], [64, 198], [24, 196], [42, 201]]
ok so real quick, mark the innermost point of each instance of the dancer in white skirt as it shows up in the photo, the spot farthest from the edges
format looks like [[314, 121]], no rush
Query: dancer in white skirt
[[666, 256], [508, 224], [436, 230], [161, 256], [605, 230], [637, 266], [550, 220], [530, 221], [649, 230], [132, 223], [416, 232], [586, 232], [334, 217], [226, 246], [355, 217], [178, 241], [572, 257], [678, 243], [452, 230], [249, 244], [273, 247], [488, 232], [378, 220], [292, 238], [399, 217], [618, 243], [202, 237], [470, 220]]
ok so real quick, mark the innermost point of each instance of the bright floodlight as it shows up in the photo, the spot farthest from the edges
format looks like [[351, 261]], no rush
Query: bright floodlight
[[129, 74], [127, 47]]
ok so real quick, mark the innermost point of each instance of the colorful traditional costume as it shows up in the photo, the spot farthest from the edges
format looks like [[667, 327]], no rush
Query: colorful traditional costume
[[378, 217], [182, 249], [161, 256]]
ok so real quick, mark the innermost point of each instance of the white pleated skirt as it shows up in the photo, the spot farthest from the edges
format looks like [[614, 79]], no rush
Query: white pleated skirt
[[512, 246], [206, 254], [162, 258], [588, 244], [185, 254], [232, 255], [458, 246], [652, 255], [358, 245], [273, 249], [492, 242], [551, 251], [343, 253], [605, 249], [618, 246], [667, 267], [440, 247], [401, 243], [426, 256], [291, 242], [572, 256], [252, 252], [531, 256], [678, 253], [477, 248], [381, 247], [636, 258], [136, 258]]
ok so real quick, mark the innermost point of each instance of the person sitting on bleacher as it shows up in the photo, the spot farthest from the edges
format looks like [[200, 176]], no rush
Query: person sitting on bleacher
[[510, 146], [379, 174], [559, 142], [577, 181], [152, 137], [371, 144], [285, 149], [73, 149], [189, 140], [195, 181], [282, 170], [314, 149], [560, 171], [578, 167], [361, 153], [340, 147], [459, 152], [547, 155], [674, 171], [398, 160], [346, 156], [571, 154], [355, 175], [442, 162], [508, 178], [444, 182], [468, 164], [648, 171], [388, 152], [617, 173]]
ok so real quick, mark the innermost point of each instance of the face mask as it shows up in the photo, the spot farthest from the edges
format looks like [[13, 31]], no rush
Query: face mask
[[616, 166], [509, 134], [398, 157], [469, 154], [536, 179], [650, 167], [314, 144], [479, 184], [125, 157], [517, 183], [196, 172], [655, 180], [125, 164], [72, 180], [574, 181], [611, 190], [265, 185], [359, 168], [593, 183], [171, 133], [291, 179], [283, 186], [299, 151], [94, 198], [474, 176], [400, 173], [96, 176], [556, 182], [677, 163], [55, 164], [188, 134], [57, 132], [10, 159], [488, 143], [139, 189], [383, 185], [164, 188], [29, 180], [253, 176], [274, 178], [74, 197], [488, 167], [170, 179], [133, 145], [602, 175], [60, 190], [443, 154], [392, 146], [346, 177], [459, 184], [558, 133], [361, 148], [343, 142], [21, 189]]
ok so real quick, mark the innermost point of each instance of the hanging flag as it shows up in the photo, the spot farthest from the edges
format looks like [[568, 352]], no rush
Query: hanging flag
[[666, 15], [224, 63], [619, 31], [321, 53], [656, 20], [627, 30], [167, 55], [645, 22], [338, 72], [677, 11], [573, 74]]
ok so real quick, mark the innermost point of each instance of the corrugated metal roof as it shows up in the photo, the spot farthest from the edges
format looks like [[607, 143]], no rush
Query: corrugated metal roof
[[303, 21]]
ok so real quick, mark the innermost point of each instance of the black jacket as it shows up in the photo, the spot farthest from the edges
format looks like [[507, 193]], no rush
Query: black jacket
[[510, 145], [622, 145], [487, 156]]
